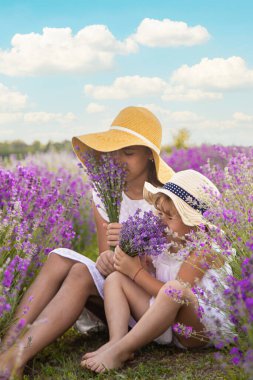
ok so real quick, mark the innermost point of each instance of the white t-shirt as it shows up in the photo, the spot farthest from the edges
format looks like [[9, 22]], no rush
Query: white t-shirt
[[128, 207]]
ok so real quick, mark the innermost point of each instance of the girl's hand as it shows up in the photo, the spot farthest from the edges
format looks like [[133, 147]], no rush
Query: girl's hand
[[112, 233], [147, 263], [126, 264], [105, 263]]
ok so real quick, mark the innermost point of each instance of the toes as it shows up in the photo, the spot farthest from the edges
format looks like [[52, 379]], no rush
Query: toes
[[89, 364], [88, 355], [92, 365], [103, 368]]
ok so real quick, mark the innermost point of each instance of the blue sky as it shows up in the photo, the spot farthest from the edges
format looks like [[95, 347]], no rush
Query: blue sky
[[68, 67]]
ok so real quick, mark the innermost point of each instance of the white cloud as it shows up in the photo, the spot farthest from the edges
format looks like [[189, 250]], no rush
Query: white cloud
[[11, 100], [184, 116], [57, 50], [6, 133], [182, 93], [196, 122], [137, 86], [174, 116], [36, 117], [46, 117], [242, 117], [165, 33], [216, 73], [10, 117], [92, 48], [95, 108], [127, 87]]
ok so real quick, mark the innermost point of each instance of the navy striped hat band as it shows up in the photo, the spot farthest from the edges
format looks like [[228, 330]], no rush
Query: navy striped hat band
[[185, 196]]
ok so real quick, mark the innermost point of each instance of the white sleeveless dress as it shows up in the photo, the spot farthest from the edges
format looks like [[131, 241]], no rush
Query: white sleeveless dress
[[128, 207], [167, 266]]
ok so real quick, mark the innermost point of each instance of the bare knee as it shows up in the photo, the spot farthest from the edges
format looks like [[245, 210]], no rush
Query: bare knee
[[173, 289], [57, 261], [178, 291], [115, 278], [56, 267], [79, 273]]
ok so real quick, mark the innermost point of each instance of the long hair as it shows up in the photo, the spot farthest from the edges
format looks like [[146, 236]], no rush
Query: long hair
[[152, 175]]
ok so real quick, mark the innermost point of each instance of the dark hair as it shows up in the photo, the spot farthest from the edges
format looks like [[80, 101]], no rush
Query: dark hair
[[152, 175]]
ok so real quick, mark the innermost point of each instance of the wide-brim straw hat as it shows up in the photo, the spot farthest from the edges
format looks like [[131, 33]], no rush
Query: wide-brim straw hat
[[132, 126], [191, 192]]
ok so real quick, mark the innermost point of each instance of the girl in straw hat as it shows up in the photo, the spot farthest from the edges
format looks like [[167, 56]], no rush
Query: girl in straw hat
[[161, 301], [68, 281]]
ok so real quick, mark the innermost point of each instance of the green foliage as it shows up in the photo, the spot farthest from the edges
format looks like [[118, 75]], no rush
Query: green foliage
[[20, 149]]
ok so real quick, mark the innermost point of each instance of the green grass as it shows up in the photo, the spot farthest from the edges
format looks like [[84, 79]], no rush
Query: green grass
[[60, 361]]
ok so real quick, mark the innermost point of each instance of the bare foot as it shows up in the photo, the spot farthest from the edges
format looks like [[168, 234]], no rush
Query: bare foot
[[104, 347], [106, 360]]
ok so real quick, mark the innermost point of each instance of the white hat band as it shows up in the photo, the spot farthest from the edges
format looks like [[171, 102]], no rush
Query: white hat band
[[131, 132]]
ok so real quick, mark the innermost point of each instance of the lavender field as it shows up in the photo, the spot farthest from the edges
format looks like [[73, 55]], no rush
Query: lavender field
[[45, 203]]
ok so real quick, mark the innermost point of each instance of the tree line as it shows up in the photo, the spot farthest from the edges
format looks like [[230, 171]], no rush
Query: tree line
[[20, 149]]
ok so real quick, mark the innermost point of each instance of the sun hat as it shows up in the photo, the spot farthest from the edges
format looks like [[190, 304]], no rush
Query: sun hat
[[191, 192], [132, 126]]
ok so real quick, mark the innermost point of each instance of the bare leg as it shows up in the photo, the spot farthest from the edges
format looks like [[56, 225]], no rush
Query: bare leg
[[42, 290], [162, 314], [122, 298], [60, 313]]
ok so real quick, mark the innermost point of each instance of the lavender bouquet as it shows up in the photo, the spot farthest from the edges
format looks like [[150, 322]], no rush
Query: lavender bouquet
[[108, 179], [143, 235]]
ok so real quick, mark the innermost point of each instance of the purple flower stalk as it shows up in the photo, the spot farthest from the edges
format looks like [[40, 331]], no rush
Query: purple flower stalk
[[143, 235], [174, 294], [181, 329], [39, 211], [108, 179]]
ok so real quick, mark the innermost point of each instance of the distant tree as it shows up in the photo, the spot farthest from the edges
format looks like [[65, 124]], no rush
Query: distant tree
[[180, 140], [36, 147]]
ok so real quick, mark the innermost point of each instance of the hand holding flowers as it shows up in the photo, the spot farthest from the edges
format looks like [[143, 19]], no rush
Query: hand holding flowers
[[105, 263], [143, 235], [112, 233], [126, 264]]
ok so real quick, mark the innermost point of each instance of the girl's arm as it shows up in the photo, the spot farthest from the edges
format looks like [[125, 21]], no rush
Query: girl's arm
[[149, 283], [104, 263], [101, 230], [195, 266], [132, 267]]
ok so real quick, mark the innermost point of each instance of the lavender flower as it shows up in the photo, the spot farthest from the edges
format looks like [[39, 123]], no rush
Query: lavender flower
[[39, 210], [198, 156], [186, 331], [108, 178], [175, 294], [143, 234]]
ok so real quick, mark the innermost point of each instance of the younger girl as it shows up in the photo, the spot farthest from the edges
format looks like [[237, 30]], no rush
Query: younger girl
[[68, 281], [132, 289]]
